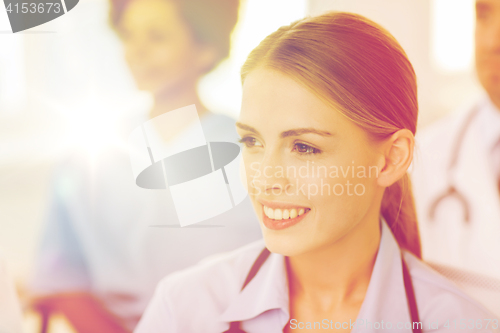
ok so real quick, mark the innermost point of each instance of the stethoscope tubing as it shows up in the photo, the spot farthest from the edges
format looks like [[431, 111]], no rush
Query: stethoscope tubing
[[451, 190]]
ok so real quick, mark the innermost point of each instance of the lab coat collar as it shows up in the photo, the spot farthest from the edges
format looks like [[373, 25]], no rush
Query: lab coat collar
[[472, 175], [490, 124], [267, 290], [385, 298]]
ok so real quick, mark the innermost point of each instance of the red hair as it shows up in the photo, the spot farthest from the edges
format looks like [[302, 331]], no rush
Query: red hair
[[357, 67]]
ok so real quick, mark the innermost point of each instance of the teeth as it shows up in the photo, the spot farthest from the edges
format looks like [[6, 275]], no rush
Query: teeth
[[278, 214]]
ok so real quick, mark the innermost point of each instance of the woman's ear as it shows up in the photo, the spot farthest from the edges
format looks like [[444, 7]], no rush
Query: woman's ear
[[397, 154]]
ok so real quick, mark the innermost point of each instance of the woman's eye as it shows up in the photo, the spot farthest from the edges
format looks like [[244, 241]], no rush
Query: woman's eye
[[302, 148], [250, 141]]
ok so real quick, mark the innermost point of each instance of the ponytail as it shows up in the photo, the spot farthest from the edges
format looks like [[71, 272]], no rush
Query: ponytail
[[398, 210]]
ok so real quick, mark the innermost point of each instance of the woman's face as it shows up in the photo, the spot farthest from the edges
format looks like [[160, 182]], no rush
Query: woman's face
[[301, 156], [159, 47]]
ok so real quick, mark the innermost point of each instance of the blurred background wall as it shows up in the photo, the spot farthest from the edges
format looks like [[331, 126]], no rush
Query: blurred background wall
[[64, 84], [437, 35]]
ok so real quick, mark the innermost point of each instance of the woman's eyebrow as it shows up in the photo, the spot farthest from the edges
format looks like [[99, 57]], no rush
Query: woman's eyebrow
[[247, 128], [300, 131], [292, 132]]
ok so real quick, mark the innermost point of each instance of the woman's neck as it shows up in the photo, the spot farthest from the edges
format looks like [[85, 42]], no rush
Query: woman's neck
[[330, 277], [175, 99]]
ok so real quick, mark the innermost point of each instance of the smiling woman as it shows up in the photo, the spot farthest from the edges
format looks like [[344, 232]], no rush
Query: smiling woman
[[335, 90], [367, 115]]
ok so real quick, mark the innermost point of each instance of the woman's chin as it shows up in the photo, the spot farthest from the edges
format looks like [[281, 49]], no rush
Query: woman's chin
[[286, 237], [287, 245]]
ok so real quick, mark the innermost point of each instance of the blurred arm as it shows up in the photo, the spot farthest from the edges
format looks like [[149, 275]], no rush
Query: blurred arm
[[60, 265], [84, 311], [10, 310]]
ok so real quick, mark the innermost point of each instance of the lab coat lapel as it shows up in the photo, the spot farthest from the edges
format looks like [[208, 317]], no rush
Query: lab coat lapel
[[475, 180], [431, 166], [268, 290], [385, 300]]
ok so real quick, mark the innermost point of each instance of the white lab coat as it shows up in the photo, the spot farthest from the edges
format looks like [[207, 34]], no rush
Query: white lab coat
[[447, 238], [207, 296]]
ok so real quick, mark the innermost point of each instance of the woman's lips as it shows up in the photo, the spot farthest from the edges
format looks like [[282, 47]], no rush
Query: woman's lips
[[277, 219]]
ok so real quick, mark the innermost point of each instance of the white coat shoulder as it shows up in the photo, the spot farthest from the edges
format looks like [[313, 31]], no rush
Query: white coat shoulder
[[193, 299], [439, 299], [199, 293]]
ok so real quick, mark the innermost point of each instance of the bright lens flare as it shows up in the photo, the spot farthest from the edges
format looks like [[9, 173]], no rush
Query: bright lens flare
[[453, 34], [93, 128]]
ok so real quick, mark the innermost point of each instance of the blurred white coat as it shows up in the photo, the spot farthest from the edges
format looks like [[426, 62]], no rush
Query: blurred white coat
[[455, 186]]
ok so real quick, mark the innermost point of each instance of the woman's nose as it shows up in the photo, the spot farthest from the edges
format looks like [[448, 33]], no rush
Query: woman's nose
[[271, 175]]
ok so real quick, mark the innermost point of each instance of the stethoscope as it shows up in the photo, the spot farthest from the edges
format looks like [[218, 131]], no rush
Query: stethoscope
[[452, 191]]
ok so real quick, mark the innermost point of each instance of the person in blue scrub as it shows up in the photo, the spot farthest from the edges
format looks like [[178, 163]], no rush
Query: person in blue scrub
[[106, 242]]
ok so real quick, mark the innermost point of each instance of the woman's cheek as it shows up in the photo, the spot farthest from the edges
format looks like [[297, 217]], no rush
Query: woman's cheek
[[328, 184]]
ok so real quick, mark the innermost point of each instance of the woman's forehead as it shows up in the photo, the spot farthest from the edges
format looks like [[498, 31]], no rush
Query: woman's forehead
[[159, 13], [271, 98]]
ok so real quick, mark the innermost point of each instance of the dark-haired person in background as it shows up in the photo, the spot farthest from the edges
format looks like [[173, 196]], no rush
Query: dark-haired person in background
[[101, 253]]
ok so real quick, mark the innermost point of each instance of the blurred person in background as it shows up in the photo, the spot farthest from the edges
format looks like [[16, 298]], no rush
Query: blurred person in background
[[10, 310], [456, 175], [107, 242]]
